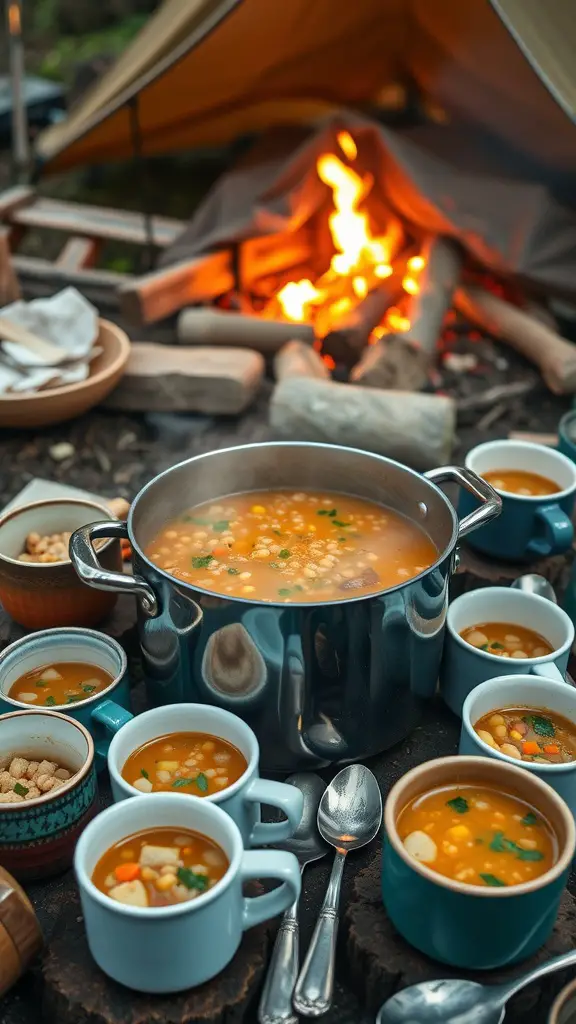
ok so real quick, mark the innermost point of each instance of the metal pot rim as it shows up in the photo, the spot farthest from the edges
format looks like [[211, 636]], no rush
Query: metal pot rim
[[292, 604]]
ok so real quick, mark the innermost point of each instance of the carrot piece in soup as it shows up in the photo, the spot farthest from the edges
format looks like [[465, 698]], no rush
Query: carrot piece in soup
[[530, 747], [127, 872]]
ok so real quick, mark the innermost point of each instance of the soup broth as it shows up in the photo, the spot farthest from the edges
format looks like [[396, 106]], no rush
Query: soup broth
[[185, 762], [63, 682], [519, 481], [160, 867], [530, 734], [478, 835], [507, 640], [285, 546]]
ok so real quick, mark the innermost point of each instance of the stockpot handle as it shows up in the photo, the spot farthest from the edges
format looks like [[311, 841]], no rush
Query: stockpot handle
[[491, 501], [86, 564]]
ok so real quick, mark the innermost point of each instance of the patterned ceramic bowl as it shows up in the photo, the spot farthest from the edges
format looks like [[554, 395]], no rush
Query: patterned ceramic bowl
[[39, 595], [38, 836]]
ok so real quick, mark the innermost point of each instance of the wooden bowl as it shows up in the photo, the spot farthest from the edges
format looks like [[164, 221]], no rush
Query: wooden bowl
[[41, 408], [20, 935], [40, 595]]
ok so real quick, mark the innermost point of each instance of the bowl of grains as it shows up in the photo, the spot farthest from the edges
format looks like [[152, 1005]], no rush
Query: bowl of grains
[[48, 791], [39, 587]]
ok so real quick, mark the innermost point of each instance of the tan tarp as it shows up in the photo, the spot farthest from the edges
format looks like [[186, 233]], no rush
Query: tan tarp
[[208, 71]]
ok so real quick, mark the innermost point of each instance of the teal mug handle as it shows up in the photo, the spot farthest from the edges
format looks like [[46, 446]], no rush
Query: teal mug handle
[[112, 716], [558, 532], [288, 799], [275, 864], [548, 671]]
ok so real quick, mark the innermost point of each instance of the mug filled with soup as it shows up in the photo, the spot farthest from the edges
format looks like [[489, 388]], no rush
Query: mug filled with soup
[[538, 488], [161, 889], [79, 672], [461, 835], [205, 752], [501, 631], [528, 720]]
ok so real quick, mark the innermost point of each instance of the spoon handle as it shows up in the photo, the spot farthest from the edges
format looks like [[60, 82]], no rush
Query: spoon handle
[[314, 988], [556, 964], [276, 1002]]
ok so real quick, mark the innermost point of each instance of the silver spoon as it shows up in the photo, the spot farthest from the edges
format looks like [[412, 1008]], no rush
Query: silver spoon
[[533, 583], [308, 845], [349, 816], [462, 1002]]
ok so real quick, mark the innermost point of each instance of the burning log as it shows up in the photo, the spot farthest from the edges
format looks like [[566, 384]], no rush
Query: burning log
[[216, 327], [295, 359], [414, 428], [552, 354], [402, 361], [346, 341]]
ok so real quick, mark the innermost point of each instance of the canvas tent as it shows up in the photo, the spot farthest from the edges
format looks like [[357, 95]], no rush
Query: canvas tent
[[203, 72]]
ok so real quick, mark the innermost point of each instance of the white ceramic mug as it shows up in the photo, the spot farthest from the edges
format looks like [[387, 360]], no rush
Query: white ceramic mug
[[517, 692], [168, 949], [464, 666], [242, 800]]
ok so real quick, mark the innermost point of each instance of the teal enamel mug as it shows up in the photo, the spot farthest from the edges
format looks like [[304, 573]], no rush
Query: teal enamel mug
[[242, 799], [466, 925], [170, 948], [102, 712]]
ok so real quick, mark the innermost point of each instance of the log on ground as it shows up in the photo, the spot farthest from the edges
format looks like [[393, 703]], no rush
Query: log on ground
[[414, 428], [296, 359], [217, 327]]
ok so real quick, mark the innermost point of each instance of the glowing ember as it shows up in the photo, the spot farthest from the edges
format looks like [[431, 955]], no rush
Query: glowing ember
[[347, 145], [410, 285], [416, 263], [396, 321], [295, 297]]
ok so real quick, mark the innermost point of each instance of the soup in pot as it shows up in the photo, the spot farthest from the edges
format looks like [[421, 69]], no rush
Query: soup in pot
[[507, 640], [478, 835], [520, 481], [160, 867], [529, 734], [63, 682], [288, 546], [185, 762]]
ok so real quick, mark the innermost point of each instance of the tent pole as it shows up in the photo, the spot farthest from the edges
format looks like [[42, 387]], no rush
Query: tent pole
[[140, 163], [20, 139]]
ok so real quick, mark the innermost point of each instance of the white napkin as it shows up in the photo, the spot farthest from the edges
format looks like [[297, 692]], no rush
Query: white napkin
[[68, 320]]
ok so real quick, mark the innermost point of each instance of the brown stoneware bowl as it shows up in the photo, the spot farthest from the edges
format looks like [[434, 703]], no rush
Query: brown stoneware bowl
[[54, 405], [40, 595], [20, 935], [38, 836]]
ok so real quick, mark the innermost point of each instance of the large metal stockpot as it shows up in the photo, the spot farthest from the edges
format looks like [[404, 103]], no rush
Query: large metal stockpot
[[318, 683]]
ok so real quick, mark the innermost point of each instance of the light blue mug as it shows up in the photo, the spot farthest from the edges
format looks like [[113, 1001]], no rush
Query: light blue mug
[[102, 714], [243, 799], [463, 666], [168, 949]]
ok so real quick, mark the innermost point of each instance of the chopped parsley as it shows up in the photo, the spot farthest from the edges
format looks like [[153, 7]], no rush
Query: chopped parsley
[[458, 804], [192, 880], [178, 783], [144, 773], [492, 880], [88, 688], [500, 844], [541, 725], [530, 855], [327, 512], [202, 782], [338, 522], [20, 789], [221, 525], [529, 819], [202, 562], [41, 682], [233, 572], [50, 702], [284, 553]]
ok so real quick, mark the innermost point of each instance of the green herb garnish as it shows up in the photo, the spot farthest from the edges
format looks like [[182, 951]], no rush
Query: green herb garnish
[[492, 880], [500, 844], [342, 539], [191, 880], [529, 819], [20, 789], [202, 782], [337, 522], [41, 682], [221, 525], [284, 553], [484, 647], [542, 726], [50, 702], [284, 591], [144, 773], [327, 512], [203, 562], [529, 855], [458, 804], [178, 783], [74, 698], [88, 688], [496, 646], [233, 572], [277, 532]]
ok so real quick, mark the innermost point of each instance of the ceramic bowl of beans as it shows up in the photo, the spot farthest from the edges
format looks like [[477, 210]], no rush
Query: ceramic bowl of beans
[[48, 791], [38, 585]]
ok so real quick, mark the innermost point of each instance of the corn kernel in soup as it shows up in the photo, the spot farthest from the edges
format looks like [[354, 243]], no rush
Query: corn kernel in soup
[[63, 682], [507, 640], [292, 546], [529, 734], [185, 762], [478, 835], [160, 867], [519, 481]]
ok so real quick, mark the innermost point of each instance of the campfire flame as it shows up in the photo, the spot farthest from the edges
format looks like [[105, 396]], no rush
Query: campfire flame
[[360, 262]]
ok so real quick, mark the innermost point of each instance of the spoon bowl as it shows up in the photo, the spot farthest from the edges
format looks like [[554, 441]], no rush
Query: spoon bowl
[[533, 583]]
